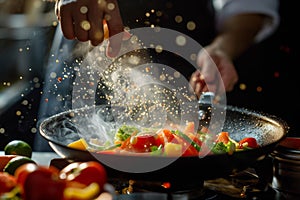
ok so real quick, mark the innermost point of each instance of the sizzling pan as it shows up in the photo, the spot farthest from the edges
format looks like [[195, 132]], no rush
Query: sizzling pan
[[269, 130]]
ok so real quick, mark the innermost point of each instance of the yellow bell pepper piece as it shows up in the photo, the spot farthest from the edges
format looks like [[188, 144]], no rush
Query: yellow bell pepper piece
[[87, 193]]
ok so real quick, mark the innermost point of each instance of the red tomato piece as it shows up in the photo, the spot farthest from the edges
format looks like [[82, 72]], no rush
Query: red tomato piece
[[187, 148], [194, 138], [249, 142], [142, 143], [164, 136], [190, 128]]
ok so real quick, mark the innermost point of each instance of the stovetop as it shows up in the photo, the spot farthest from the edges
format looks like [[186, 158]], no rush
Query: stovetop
[[254, 183], [243, 185]]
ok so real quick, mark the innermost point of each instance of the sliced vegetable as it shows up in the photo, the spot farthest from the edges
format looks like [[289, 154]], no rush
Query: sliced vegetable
[[188, 139], [142, 143], [172, 149], [162, 142], [125, 132], [89, 192], [79, 144], [248, 142]]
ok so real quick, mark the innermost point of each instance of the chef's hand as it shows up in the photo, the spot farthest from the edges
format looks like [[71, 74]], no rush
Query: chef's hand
[[217, 73], [86, 20]]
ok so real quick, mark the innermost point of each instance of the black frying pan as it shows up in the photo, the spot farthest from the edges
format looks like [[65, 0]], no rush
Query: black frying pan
[[239, 122]]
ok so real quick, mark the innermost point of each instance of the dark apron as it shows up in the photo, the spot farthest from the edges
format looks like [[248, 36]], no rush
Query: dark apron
[[199, 11], [162, 13]]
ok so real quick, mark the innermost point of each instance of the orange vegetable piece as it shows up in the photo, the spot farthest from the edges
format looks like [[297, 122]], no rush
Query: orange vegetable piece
[[223, 137]]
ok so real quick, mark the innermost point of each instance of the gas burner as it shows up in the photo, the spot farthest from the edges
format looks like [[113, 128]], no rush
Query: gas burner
[[252, 183]]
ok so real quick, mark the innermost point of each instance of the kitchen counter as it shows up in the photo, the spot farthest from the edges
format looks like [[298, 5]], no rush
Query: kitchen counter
[[222, 188], [42, 158]]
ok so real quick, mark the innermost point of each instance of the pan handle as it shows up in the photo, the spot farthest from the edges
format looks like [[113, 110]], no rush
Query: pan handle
[[205, 105]]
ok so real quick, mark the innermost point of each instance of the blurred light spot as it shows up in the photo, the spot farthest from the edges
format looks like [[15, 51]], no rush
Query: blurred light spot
[[276, 74], [191, 25], [18, 113], [59, 98], [37, 85], [147, 14], [25, 102], [107, 17], [110, 6], [7, 83], [85, 25], [243, 86], [52, 75], [178, 19], [180, 40], [162, 77], [158, 13], [36, 79], [152, 10], [193, 56], [158, 48], [98, 35], [2, 130], [176, 74], [259, 89], [134, 60], [33, 130], [166, 185], [54, 23]]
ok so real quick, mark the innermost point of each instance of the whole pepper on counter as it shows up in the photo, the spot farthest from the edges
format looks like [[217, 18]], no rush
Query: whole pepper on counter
[[40, 182], [85, 180], [77, 181], [7, 183]]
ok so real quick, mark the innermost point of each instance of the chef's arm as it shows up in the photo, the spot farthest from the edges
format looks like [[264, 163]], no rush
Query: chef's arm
[[241, 23], [238, 33]]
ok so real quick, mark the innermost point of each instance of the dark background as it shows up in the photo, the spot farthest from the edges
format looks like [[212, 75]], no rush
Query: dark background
[[268, 70]]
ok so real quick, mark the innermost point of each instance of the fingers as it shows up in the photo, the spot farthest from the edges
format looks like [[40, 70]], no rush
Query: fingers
[[197, 82], [81, 24], [95, 17], [115, 27], [229, 76], [83, 20], [66, 22]]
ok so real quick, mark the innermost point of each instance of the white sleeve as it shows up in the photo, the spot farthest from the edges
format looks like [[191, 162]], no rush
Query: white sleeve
[[227, 8]]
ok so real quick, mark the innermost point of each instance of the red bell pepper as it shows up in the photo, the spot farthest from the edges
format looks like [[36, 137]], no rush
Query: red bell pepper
[[39, 182], [82, 175]]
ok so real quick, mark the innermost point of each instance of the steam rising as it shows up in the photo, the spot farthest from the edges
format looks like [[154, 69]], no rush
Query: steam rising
[[151, 95]]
